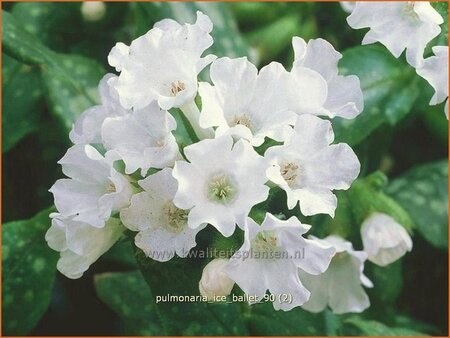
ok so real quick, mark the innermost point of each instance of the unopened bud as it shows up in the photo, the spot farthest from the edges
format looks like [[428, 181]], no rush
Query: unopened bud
[[214, 281]]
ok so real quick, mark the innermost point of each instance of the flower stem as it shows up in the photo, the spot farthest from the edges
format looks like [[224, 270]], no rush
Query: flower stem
[[191, 112]]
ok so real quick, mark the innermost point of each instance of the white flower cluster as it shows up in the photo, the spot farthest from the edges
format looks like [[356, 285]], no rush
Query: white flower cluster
[[410, 26], [126, 170]]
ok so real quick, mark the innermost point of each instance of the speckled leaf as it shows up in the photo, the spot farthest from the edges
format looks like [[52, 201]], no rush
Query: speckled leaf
[[180, 277], [21, 84], [423, 193], [127, 294], [29, 268], [356, 326], [227, 39], [71, 80], [72, 86], [263, 320], [390, 88]]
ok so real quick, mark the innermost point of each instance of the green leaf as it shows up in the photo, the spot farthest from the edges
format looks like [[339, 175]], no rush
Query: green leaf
[[227, 39], [180, 277], [72, 86], [367, 196], [390, 88], [21, 85], [51, 23], [29, 268], [71, 80], [127, 294], [423, 193], [122, 253], [388, 283], [263, 320], [365, 327]]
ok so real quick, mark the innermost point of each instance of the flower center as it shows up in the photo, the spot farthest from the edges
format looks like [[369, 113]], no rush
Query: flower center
[[408, 10], [177, 87], [221, 189], [176, 218], [242, 120], [265, 242], [289, 171], [111, 188]]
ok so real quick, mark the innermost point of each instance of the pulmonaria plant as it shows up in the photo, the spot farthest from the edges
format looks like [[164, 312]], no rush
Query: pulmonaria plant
[[257, 135]]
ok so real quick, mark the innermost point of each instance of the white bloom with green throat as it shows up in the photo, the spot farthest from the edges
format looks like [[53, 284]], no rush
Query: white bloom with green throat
[[308, 167], [162, 227], [246, 103], [271, 257], [221, 182], [341, 285]]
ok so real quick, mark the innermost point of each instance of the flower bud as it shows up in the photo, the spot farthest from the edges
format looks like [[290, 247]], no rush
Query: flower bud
[[214, 281], [93, 10], [384, 239]]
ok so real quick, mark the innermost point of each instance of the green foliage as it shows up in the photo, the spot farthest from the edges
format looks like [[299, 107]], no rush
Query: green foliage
[[423, 193], [357, 326], [179, 277], [390, 88], [129, 296], [29, 267], [21, 83], [71, 80], [264, 321]]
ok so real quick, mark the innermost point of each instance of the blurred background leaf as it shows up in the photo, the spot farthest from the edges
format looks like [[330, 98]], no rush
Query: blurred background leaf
[[29, 268]]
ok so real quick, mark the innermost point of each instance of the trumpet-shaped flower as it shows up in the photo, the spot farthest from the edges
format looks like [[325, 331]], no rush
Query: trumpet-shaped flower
[[87, 128], [221, 182], [344, 95], [270, 259], [251, 105], [214, 281], [163, 229], [79, 243], [401, 25], [340, 286], [94, 189], [163, 64], [384, 239], [435, 71], [308, 167], [142, 139]]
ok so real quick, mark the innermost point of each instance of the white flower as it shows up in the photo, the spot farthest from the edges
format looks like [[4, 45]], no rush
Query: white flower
[[384, 239], [93, 11], [270, 259], [163, 64], [162, 227], [348, 6], [308, 167], [80, 244], [409, 25], [142, 139], [344, 98], [214, 281], [340, 285], [221, 183], [435, 71], [94, 189], [87, 128], [246, 104]]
